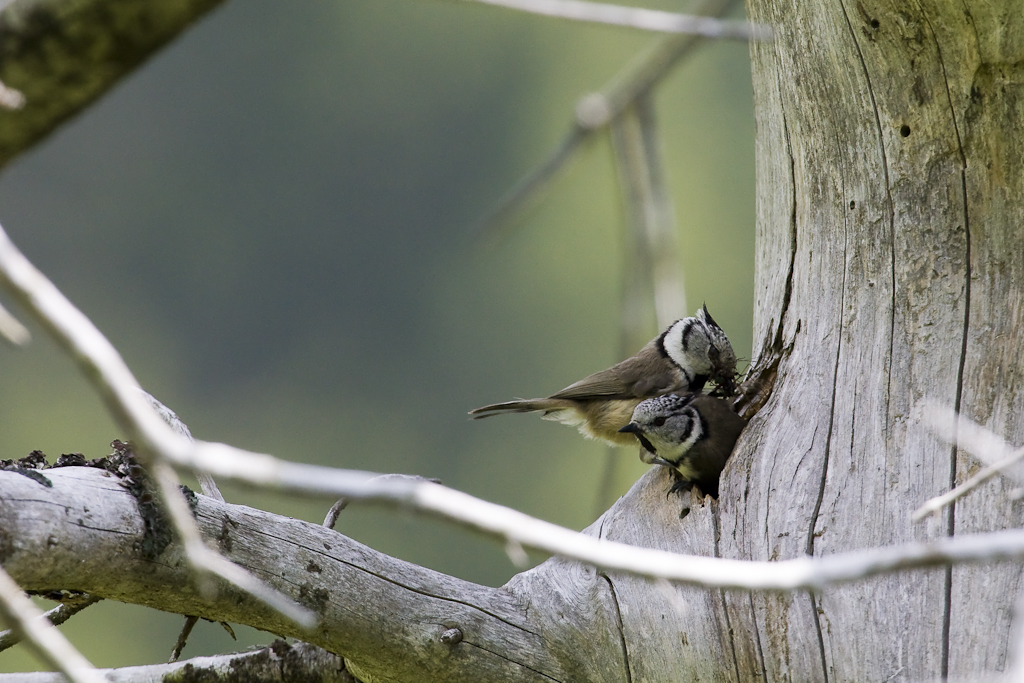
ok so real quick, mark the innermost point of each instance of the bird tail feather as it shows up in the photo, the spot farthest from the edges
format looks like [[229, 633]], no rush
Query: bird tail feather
[[518, 406]]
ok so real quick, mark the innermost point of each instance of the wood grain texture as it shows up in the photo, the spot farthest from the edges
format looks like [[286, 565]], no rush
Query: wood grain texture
[[896, 128], [669, 628], [277, 663], [63, 54], [385, 615], [560, 621], [983, 56]]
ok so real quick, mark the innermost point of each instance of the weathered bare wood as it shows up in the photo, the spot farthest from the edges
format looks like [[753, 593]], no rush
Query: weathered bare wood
[[385, 615], [63, 54], [883, 129], [982, 49], [277, 663], [560, 621], [670, 629]]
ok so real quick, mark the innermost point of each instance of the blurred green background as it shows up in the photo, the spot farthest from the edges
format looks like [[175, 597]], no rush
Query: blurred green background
[[271, 221]]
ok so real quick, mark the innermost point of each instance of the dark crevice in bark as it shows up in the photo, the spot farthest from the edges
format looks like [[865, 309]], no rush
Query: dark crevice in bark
[[721, 595], [394, 582], [788, 292], [821, 638], [757, 387], [619, 626], [512, 661], [757, 639], [809, 549], [950, 513], [947, 609]]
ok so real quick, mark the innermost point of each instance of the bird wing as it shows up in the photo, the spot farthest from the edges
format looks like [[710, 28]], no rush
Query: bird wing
[[619, 382]]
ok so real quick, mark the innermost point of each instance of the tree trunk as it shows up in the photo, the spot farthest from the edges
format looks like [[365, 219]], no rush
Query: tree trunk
[[890, 268]]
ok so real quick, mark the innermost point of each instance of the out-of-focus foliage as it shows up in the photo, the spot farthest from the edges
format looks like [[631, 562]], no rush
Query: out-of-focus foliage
[[270, 220]]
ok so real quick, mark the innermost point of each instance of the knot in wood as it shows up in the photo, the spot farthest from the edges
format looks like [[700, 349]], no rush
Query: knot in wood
[[452, 636]]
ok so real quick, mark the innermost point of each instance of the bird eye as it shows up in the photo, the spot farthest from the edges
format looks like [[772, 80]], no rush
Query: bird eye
[[713, 352], [659, 421]]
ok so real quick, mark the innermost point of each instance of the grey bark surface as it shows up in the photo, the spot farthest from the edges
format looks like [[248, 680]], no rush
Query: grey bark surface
[[560, 621], [63, 54], [277, 663], [890, 195]]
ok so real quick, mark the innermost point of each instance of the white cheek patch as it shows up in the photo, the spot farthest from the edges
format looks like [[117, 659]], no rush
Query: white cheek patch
[[673, 344], [681, 433]]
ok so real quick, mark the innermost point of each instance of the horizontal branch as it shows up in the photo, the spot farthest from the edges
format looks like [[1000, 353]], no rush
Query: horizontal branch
[[277, 663], [86, 522]]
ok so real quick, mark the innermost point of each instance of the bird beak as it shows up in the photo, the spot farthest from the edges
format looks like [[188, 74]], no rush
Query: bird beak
[[631, 428], [728, 385]]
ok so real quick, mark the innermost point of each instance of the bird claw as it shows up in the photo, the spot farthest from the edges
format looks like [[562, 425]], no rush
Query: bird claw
[[682, 486], [679, 486]]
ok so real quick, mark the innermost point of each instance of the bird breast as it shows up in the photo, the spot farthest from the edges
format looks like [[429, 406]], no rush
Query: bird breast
[[604, 419]]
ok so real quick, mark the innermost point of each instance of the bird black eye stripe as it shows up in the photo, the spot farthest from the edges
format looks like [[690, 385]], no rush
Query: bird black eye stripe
[[661, 344], [648, 446], [690, 329]]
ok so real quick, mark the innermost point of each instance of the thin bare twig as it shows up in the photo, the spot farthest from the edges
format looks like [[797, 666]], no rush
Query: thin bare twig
[[528, 191], [660, 229], [985, 445], [653, 293], [12, 330], [593, 113], [56, 616], [179, 645], [935, 504], [981, 442], [638, 17], [11, 98], [648, 208], [50, 644], [332, 515], [206, 483]]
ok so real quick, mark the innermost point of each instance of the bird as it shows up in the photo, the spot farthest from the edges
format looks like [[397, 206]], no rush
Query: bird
[[683, 358], [691, 434]]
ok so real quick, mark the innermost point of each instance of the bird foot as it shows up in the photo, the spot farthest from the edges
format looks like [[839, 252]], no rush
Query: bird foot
[[680, 485]]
